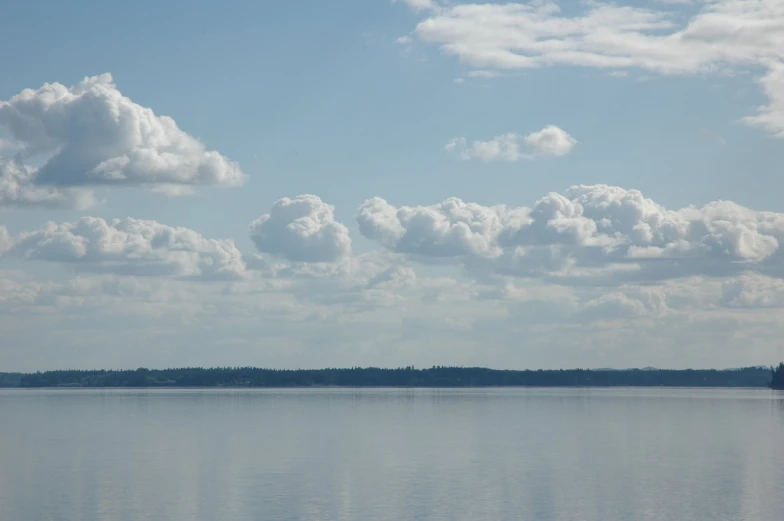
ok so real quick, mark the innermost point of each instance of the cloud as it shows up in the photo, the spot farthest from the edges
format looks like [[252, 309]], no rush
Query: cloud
[[406, 42], [550, 141], [91, 135], [396, 275], [753, 291], [18, 189], [449, 229], [500, 148], [5, 239], [358, 283], [596, 233], [302, 229], [132, 247], [16, 293], [9, 145], [103, 301], [483, 74], [627, 302], [419, 5], [516, 35], [771, 116], [379, 316], [714, 136], [722, 35], [613, 306]]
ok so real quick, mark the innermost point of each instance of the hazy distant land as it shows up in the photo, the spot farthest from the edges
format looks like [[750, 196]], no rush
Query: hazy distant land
[[400, 377]]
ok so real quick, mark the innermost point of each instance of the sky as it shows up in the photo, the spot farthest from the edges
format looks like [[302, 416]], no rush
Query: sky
[[391, 183]]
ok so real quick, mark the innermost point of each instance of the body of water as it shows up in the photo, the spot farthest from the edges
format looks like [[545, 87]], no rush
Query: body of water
[[392, 454]]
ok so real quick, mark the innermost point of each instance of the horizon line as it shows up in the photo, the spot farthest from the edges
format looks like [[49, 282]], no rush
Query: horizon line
[[389, 368]]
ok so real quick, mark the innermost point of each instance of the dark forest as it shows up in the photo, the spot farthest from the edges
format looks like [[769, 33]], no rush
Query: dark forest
[[400, 377]]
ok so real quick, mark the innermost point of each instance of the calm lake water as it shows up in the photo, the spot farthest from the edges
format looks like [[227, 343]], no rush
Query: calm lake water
[[397, 454]]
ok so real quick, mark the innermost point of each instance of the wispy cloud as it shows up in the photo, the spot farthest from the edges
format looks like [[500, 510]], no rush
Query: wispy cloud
[[420, 5], [483, 74], [712, 135], [721, 36]]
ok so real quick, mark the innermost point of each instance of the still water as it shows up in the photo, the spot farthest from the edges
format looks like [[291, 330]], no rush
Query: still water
[[397, 454]]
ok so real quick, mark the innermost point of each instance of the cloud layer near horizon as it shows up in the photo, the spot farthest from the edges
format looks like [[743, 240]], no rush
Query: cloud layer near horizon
[[589, 234], [157, 285], [90, 135]]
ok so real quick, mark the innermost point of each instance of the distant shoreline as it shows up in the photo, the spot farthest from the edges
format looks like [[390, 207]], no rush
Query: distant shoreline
[[378, 387], [404, 377]]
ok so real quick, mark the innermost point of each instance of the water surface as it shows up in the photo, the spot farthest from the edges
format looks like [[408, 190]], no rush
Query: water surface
[[396, 454]]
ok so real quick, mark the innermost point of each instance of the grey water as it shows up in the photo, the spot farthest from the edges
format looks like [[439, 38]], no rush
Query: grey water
[[392, 454]]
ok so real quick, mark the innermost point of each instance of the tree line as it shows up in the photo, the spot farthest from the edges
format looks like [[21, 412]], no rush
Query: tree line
[[777, 379], [436, 376]]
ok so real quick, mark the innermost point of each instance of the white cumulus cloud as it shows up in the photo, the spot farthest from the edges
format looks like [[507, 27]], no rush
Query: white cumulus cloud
[[451, 228], [132, 247], [550, 141], [92, 135], [302, 229]]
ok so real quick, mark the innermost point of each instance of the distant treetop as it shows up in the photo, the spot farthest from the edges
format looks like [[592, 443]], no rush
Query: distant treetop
[[777, 381]]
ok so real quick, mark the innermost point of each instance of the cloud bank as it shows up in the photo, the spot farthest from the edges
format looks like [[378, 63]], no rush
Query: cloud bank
[[594, 235], [587, 228]]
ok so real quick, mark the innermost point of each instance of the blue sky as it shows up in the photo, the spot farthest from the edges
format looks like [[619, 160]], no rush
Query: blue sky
[[681, 103]]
